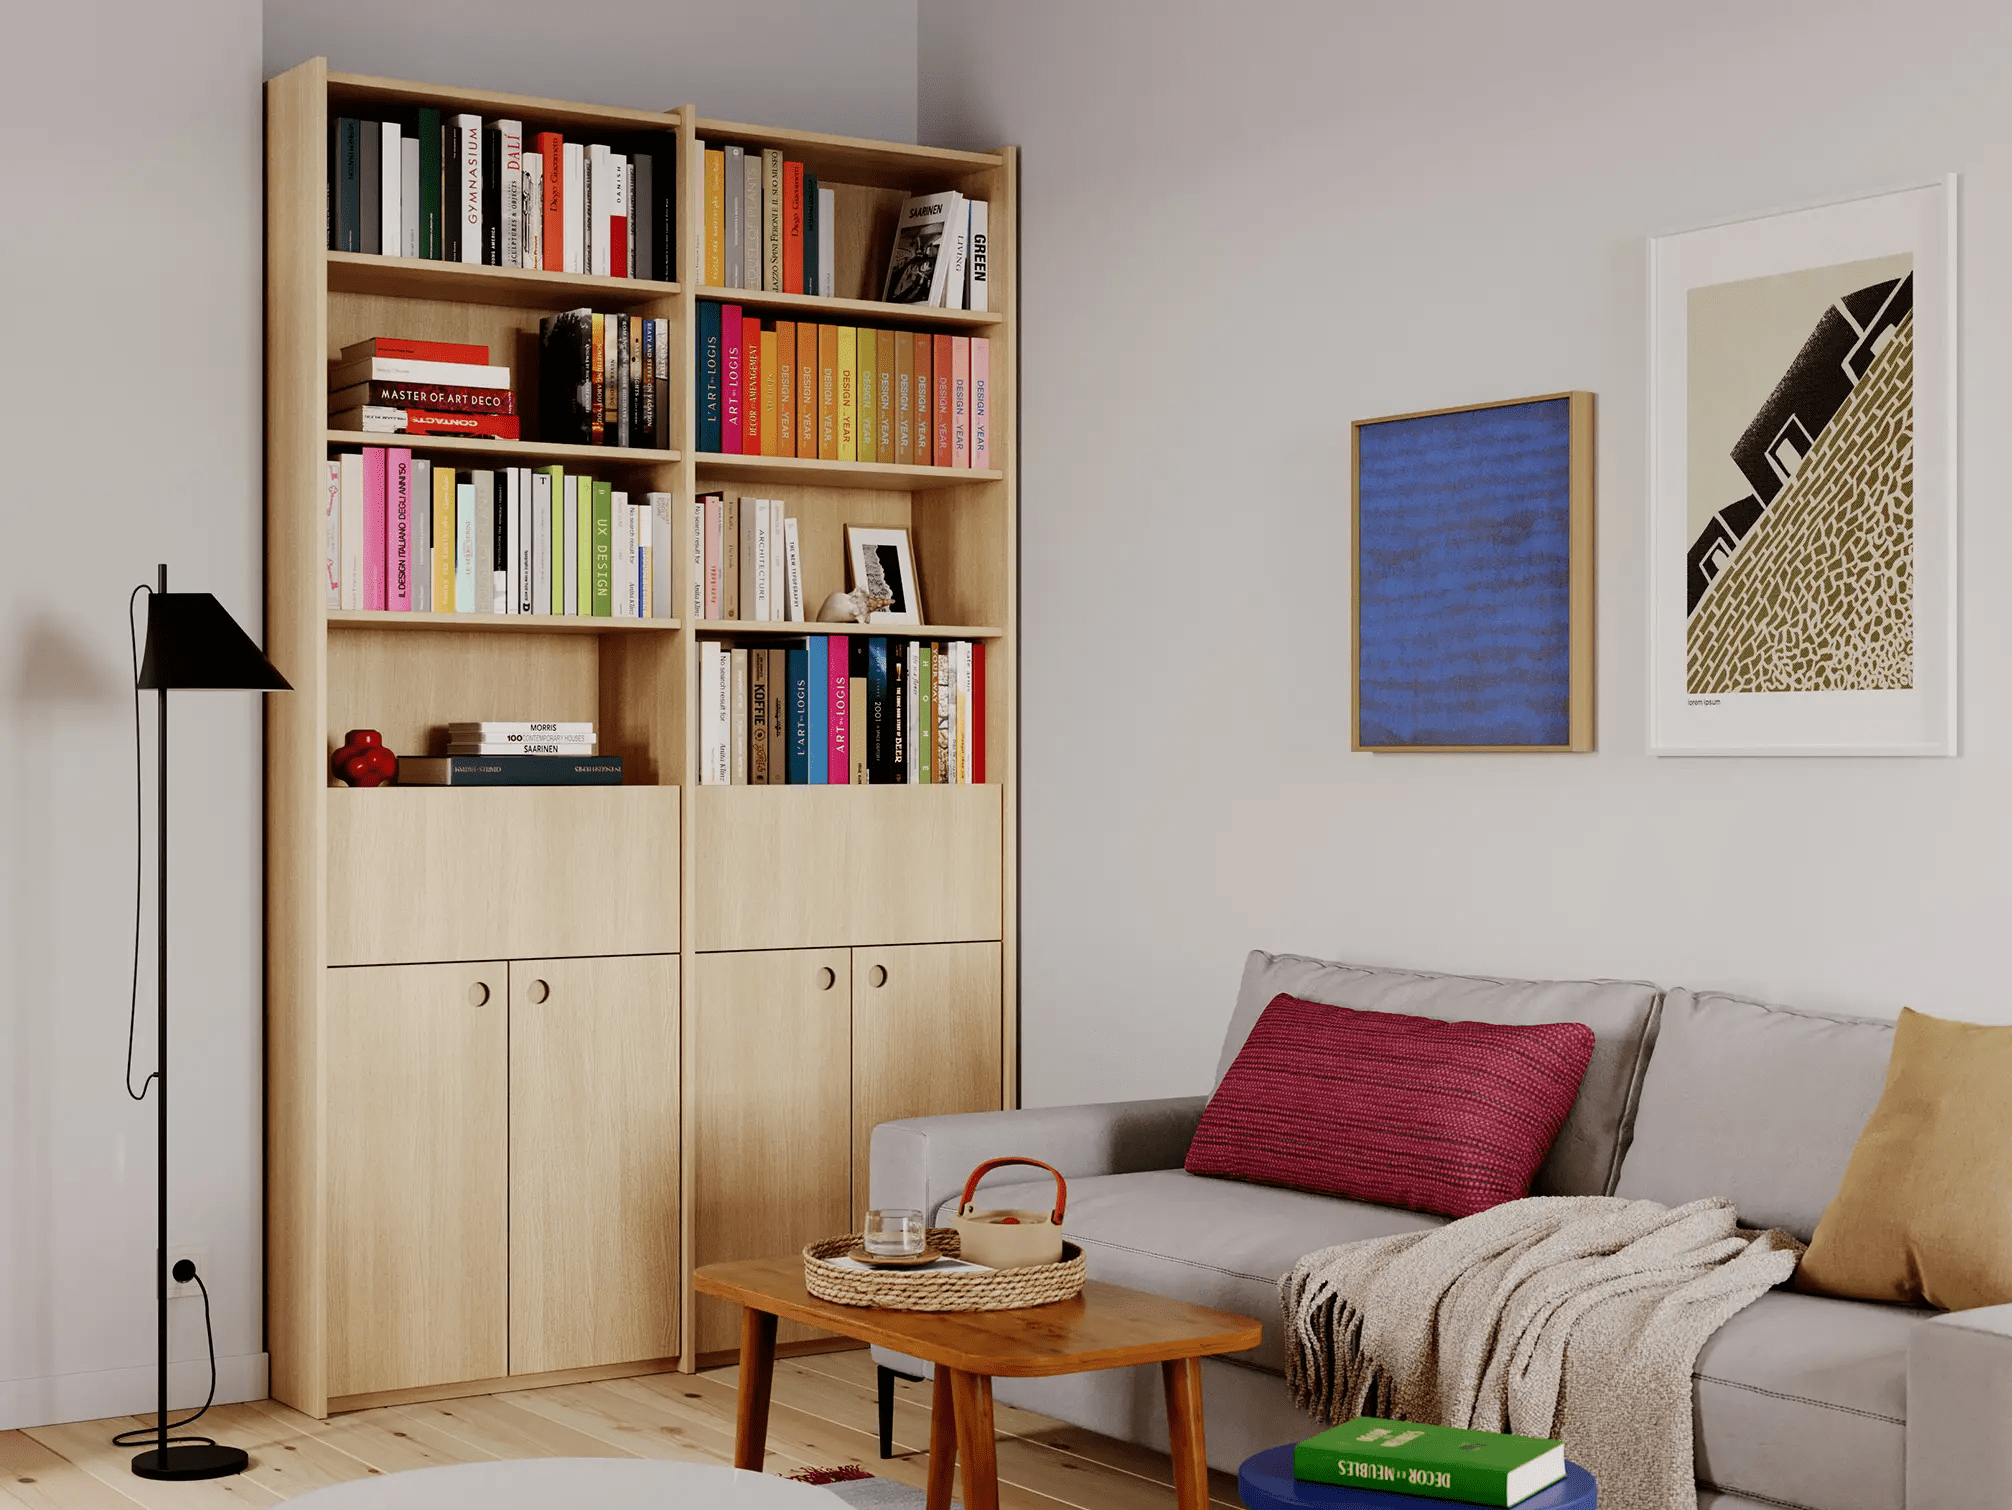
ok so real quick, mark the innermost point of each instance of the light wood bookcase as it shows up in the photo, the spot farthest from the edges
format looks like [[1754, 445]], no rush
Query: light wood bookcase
[[533, 1055]]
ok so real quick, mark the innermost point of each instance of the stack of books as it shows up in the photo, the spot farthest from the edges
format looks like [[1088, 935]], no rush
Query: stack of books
[[841, 392], [745, 561], [458, 189], [604, 380], [769, 224], [842, 710], [1433, 1462], [519, 753], [940, 253], [392, 386], [403, 534], [532, 737]]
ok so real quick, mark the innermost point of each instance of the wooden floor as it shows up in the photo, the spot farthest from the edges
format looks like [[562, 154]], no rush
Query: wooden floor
[[823, 1414]]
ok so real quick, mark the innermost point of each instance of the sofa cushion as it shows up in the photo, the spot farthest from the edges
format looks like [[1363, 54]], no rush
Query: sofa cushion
[[1732, 1078], [1802, 1400], [1218, 1243], [1622, 1014], [1449, 1117]]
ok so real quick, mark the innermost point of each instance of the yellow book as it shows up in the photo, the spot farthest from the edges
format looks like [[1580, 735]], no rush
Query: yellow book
[[869, 385], [827, 393], [583, 545], [771, 438], [716, 218], [848, 393], [883, 395], [443, 539]]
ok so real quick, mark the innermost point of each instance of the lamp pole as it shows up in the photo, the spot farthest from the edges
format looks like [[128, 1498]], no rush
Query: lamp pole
[[161, 1050]]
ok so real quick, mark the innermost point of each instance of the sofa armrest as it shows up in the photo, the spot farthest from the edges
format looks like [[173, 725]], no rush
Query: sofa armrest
[[1959, 1411], [922, 1162]]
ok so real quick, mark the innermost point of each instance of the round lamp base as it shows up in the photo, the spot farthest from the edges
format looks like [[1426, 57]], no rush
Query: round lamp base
[[191, 1461]]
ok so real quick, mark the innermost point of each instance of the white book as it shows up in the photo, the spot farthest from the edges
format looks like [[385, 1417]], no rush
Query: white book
[[771, 220], [331, 530], [600, 206], [534, 210], [412, 370], [541, 542], [470, 209], [734, 207], [507, 572], [629, 213], [511, 198], [753, 249], [723, 714], [695, 559], [464, 547], [621, 540], [662, 554], [520, 728], [737, 729], [569, 567], [710, 676], [911, 717], [956, 242], [527, 542], [916, 265], [646, 546], [352, 529], [827, 242], [618, 209], [528, 747], [390, 191], [408, 182], [757, 510], [422, 535], [977, 293], [794, 571], [572, 204]]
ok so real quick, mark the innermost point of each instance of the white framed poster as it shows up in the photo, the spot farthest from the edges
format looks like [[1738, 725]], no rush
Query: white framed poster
[[1803, 481]]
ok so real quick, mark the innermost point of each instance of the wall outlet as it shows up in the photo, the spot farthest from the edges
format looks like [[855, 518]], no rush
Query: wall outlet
[[198, 1255]]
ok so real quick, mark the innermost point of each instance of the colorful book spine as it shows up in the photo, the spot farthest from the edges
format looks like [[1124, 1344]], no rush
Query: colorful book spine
[[940, 364], [709, 375], [716, 218], [770, 408], [925, 715], [443, 540], [806, 388], [398, 530], [792, 228], [879, 754], [883, 395], [430, 238], [732, 352], [981, 403], [331, 527], [751, 381], [865, 395], [797, 710], [925, 400], [603, 559], [818, 721], [785, 388], [376, 528], [960, 401], [827, 392], [977, 652], [838, 704], [847, 373]]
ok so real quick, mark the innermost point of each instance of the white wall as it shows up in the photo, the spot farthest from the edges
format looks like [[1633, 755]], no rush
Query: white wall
[[848, 67], [129, 419], [1245, 224]]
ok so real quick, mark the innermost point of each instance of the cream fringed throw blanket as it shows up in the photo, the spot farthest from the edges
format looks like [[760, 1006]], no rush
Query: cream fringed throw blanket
[[1574, 1317]]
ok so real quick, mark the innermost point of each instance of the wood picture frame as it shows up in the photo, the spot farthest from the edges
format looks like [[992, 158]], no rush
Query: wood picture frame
[[897, 563], [1463, 502]]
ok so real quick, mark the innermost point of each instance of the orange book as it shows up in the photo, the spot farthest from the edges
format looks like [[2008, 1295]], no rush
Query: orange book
[[960, 401], [785, 387], [848, 393], [904, 398], [940, 444], [883, 395], [770, 407], [925, 402], [827, 393], [806, 389], [751, 428]]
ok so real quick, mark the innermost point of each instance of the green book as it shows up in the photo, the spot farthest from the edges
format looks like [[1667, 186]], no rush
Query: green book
[[556, 533], [604, 550], [583, 545], [429, 183], [1436, 1462]]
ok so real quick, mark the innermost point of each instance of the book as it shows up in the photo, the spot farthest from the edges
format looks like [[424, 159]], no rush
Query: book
[[345, 181], [552, 208], [730, 558], [879, 732], [732, 351], [753, 256], [408, 196], [565, 377], [918, 264], [745, 554], [468, 206], [940, 378], [827, 237], [793, 571], [434, 396], [375, 523], [714, 272], [785, 387], [737, 683], [806, 388], [573, 207], [602, 563], [976, 650], [792, 228], [796, 681], [464, 542], [331, 531], [431, 238], [769, 408], [867, 422], [618, 216], [401, 348], [751, 379], [960, 401], [509, 568], [383, 419], [510, 770], [846, 369], [827, 393], [391, 190], [733, 204], [510, 156], [883, 397], [1436, 1462], [709, 376], [444, 496], [817, 727], [757, 719], [778, 715], [981, 403], [523, 747], [600, 209], [925, 400], [924, 695], [642, 229], [977, 291], [492, 197], [759, 555], [771, 220], [855, 712], [422, 535], [350, 484], [541, 540], [956, 243], [398, 530], [904, 398], [520, 728], [370, 200], [838, 708], [662, 604], [410, 370], [811, 244], [715, 519]]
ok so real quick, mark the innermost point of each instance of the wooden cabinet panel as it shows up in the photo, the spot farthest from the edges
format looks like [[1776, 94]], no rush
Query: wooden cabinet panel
[[925, 1040], [446, 873], [593, 1161], [771, 1112], [417, 1149], [794, 866]]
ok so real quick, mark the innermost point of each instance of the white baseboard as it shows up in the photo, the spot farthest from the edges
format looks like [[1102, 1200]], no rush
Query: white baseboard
[[127, 1391]]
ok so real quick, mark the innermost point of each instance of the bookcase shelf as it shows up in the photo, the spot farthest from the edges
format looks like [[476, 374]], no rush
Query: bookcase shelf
[[523, 450], [521, 288], [787, 629], [724, 466], [518, 623], [873, 312]]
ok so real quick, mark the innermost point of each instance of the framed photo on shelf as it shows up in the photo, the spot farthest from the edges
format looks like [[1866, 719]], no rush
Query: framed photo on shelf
[[882, 566], [1803, 482]]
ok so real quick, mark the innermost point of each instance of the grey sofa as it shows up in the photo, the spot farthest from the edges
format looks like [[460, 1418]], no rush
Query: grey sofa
[[1799, 1400]]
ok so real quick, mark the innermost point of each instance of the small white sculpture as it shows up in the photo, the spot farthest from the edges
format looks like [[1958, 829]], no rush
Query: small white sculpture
[[852, 607]]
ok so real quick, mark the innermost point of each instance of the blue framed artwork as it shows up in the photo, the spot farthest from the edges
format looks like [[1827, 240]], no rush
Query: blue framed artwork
[[1474, 577]]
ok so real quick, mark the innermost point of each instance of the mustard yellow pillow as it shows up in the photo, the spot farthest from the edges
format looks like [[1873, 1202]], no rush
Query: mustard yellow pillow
[[1925, 1210]]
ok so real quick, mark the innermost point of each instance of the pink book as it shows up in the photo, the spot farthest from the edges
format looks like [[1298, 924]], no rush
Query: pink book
[[960, 401], [714, 517], [981, 381], [838, 669], [376, 520], [731, 381], [398, 534]]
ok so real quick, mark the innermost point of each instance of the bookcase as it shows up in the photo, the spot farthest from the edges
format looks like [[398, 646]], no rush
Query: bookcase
[[533, 1054]]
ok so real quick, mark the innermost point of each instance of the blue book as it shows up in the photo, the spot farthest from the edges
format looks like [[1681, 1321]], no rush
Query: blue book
[[817, 727], [799, 716], [709, 375], [879, 711]]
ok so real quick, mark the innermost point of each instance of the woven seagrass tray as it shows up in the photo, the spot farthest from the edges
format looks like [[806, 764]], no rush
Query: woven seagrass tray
[[970, 1290]]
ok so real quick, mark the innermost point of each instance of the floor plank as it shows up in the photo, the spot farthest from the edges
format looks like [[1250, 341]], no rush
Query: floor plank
[[88, 1444], [287, 1456], [498, 1426], [41, 1477], [393, 1443]]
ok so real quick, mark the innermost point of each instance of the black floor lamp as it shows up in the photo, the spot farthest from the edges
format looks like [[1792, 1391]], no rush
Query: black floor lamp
[[191, 642]]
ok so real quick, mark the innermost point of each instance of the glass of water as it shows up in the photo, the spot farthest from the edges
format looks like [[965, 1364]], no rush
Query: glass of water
[[894, 1233]]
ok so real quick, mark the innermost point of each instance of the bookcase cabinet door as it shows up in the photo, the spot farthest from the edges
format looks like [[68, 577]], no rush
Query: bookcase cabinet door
[[418, 1180], [593, 1161], [771, 1112], [925, 1040]]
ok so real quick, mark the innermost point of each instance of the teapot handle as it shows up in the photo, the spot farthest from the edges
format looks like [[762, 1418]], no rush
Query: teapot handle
[[964, 1206]]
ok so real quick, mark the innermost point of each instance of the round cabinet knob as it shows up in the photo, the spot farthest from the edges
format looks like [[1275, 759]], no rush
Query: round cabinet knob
[[827, 978], [478, 995], [877, 976], [540, 991]]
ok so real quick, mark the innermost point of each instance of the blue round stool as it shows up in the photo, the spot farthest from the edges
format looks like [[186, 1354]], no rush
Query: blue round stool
[[1266, 1483]]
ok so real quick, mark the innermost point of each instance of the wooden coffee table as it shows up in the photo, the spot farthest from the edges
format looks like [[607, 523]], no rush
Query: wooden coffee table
[[1106, 1326]]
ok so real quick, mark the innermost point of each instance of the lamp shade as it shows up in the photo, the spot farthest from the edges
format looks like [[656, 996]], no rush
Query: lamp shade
[[193, 642]]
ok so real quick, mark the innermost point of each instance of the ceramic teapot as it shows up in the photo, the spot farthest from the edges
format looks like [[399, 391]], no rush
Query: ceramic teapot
[[1005, 1239]]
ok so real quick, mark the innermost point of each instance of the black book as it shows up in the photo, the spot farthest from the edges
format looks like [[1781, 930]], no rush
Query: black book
[[346, 185], [510, 770], [370, 195], [811, 282], [624, 389], [897, 710], [492, 197], [566, 378], [642, 194], [646, 388], [450, 192], [664, 215]]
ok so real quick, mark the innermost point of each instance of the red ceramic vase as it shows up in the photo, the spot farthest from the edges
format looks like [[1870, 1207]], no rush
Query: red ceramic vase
[[363, 760]]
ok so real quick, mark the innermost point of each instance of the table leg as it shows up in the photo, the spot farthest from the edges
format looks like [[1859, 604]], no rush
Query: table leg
[[757, 1374], [1183, 1378], [942, 1442], [973, 1396]]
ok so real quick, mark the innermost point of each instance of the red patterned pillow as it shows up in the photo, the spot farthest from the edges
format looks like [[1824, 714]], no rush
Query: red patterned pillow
[[1449, 1117]]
